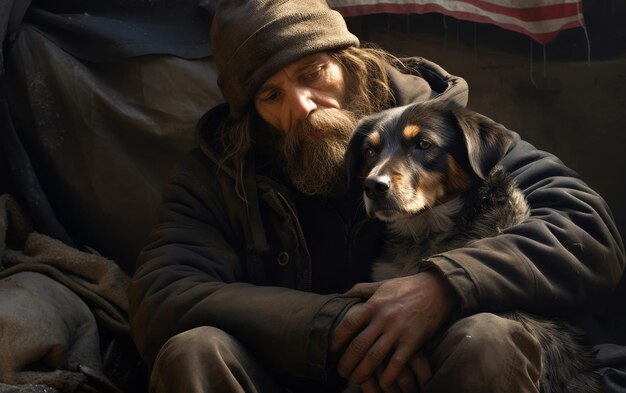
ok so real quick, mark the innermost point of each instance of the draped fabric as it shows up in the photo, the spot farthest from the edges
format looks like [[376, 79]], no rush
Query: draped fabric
[[542, 20]]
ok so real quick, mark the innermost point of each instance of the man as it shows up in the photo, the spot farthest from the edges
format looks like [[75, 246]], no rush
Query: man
[[239, 288]]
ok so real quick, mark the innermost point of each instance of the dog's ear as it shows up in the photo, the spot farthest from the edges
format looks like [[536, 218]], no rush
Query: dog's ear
[[486, 140], [353, 159]]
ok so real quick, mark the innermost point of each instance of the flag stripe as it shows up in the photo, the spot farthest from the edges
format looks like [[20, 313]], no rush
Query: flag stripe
[[542, 23], [502, 3], [524, 3], [528, 13]]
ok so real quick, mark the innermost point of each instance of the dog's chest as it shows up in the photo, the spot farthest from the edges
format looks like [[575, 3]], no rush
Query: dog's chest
[[495, 206], [405, 256]]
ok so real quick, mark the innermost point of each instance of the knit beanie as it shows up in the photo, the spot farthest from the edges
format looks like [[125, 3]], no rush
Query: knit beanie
[[254, 39]]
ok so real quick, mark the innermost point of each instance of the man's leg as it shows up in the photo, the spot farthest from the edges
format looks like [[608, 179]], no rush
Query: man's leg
[[485, 353], [207, 360]]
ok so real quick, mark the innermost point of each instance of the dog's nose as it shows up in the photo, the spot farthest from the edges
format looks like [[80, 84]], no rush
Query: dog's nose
[[376, 186]]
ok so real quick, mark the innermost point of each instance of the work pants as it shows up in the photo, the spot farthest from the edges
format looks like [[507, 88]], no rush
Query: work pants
[[480, 353]]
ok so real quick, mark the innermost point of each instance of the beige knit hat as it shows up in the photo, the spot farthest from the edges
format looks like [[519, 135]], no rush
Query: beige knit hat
[[253, 39]]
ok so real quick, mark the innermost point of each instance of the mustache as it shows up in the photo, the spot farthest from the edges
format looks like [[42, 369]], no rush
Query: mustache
[[324, 121]]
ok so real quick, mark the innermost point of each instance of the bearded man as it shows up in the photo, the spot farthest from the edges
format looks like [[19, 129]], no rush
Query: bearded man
[[240, 287]]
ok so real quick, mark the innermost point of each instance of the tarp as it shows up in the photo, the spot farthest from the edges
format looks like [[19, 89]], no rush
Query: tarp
[[102, 103]]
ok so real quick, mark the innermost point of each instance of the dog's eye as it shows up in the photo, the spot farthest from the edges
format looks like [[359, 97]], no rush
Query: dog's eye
[[423, 144], [370, 152]]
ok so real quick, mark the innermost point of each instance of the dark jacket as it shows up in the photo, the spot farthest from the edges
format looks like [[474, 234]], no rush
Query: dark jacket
[[268, 272]]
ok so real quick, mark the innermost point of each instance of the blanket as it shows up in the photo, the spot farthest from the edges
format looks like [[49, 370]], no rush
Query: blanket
[[54, 300]]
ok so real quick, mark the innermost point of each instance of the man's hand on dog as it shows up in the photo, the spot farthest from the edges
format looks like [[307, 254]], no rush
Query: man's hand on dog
[[383, 337]]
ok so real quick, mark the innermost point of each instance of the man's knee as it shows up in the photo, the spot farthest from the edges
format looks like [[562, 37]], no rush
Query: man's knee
[[181, 364], [486, 333], [198, 342], [488, 349], [207, 359]]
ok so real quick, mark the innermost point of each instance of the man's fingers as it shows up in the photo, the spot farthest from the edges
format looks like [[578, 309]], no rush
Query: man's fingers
[[396, 364], [356, 318], [370, 386], [389, 389], [421, 368], [372, 359], [363, 290], [356, 351], [392, 389], [407, 382]]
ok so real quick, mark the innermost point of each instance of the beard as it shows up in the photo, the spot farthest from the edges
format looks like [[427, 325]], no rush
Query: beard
[[313, 152]]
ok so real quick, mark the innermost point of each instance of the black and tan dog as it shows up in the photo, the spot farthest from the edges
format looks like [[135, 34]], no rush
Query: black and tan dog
[[429, 172]]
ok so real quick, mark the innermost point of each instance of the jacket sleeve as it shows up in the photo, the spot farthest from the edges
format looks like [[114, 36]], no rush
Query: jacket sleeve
[[190, 275], [568, 254]]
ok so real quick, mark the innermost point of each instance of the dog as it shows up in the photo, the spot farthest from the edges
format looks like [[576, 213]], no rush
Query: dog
[[429, 172]]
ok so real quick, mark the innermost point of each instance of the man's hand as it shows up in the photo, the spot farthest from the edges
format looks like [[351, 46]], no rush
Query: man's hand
[[391, 327]]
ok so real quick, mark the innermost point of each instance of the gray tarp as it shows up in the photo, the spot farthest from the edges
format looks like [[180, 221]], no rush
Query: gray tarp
[[102, 137]]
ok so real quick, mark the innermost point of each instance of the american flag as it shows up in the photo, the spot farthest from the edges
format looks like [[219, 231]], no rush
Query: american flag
[[540, 19]]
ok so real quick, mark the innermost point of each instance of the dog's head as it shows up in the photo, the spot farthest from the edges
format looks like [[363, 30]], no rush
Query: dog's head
[[416, 157]]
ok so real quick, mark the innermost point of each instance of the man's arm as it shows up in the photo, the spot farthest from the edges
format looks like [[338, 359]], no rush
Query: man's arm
[[189, 275], [568, 254]]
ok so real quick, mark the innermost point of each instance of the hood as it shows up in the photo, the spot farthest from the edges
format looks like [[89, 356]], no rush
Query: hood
[[211, 143], [424, 80]]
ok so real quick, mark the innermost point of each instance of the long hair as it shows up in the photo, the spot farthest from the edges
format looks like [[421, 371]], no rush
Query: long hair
[[366, 75]]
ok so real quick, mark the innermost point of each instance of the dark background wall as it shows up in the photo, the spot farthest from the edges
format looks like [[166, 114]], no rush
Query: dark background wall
[[567, 97]]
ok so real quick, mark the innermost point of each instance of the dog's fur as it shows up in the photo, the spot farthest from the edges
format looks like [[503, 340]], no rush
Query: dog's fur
[[429, 172]]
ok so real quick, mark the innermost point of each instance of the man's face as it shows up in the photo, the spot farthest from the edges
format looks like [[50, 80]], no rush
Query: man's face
[[304, 103], [312, 83]]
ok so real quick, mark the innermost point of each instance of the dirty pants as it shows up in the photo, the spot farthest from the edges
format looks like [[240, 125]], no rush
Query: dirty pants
[[480, 353]]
